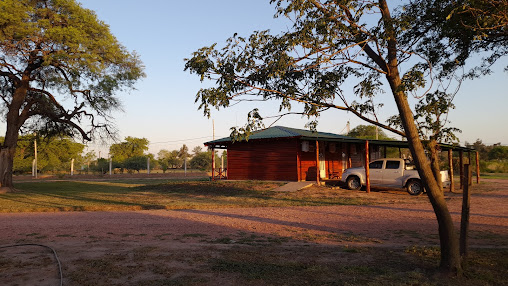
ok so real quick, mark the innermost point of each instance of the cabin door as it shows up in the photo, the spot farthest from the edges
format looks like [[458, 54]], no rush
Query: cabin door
[[322, 161]]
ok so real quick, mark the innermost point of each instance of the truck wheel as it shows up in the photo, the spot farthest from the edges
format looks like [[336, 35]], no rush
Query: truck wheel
[[353, 183], [414, 187]]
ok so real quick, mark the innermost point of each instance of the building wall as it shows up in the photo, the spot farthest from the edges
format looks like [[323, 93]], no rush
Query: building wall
[[263, 160], [284, 160], [307, 161]]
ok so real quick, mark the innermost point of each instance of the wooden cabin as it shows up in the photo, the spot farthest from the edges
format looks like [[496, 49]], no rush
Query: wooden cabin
[[288, 154]]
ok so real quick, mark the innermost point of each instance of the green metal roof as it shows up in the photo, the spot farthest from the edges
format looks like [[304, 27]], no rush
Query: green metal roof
[[286, 132], [278, 132]]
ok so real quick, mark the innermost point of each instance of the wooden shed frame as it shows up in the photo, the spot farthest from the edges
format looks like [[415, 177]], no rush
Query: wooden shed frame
[[289, 154]]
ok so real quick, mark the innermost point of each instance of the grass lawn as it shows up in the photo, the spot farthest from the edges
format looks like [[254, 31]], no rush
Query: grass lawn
[[139, 194], [503, 176]]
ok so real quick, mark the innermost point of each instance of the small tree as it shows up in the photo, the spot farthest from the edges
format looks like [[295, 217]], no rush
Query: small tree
[[202, 161], [373, 48], [131, 147], [183, 154], [196, 150], [101, 166], [136, 163], [162, 159], [368, 132]]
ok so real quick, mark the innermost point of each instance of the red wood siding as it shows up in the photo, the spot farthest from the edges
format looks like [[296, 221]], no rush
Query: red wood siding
[[307, 168], [307, 161], [333, 161], [263, 160]]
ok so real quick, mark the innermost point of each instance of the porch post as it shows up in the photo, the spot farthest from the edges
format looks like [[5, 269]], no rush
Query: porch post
[[477, 168], [367, 170], [469, 177], [213, 163], [349, 163], [461, 169], [450, 163], [317, 163]]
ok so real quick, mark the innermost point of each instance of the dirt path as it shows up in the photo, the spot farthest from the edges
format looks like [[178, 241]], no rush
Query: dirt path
[[78, 236]]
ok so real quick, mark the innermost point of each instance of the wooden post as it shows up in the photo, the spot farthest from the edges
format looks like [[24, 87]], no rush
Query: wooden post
[[213, 164], [348, 164], [464, 221], [477, 168], [461, 169], [317, 163], [367, 171], [450, 163], [298, 162], [470, 174], [384, 151]]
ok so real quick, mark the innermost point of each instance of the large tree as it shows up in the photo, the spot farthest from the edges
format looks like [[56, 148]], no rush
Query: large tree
[[60, 68], [370, 47]]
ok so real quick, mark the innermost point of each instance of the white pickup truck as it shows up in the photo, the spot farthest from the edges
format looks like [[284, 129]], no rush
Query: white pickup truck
[[389, 172]]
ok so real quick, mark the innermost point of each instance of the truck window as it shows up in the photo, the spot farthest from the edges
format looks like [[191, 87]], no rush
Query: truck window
[[392, 164], [376, 165]]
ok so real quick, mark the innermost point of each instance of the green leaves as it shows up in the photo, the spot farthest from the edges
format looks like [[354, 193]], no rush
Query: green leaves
[[63, 50], [335, 45]]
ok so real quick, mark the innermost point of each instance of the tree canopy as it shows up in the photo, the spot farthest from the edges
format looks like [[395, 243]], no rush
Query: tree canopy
[[368, 132], [57, 48], [129, 148], [60, 68]]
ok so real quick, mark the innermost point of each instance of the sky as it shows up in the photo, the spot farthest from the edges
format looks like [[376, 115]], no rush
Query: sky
[[162, 107]]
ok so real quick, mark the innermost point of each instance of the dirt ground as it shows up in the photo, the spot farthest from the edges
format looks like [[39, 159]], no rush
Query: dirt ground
[[143, 247]]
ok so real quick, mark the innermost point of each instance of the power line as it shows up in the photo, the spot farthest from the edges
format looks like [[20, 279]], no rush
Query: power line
[[180, 140]]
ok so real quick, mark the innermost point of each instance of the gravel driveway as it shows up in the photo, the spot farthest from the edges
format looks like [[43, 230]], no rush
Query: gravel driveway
[[80, 235]]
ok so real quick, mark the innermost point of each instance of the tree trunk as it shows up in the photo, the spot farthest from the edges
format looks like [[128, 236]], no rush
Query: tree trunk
[[6, 164], [14, 122], [450, 257], [434, 160], [449, 242]]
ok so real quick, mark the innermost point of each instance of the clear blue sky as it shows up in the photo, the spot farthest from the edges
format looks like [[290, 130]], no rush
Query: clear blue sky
[[162, 109]]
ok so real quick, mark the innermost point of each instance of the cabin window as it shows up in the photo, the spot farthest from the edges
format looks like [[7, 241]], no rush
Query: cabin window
[[305, 146], [332, 147]]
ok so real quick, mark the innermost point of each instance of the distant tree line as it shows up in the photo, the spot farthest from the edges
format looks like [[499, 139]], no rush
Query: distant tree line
[[493, 158], [54, 156]]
